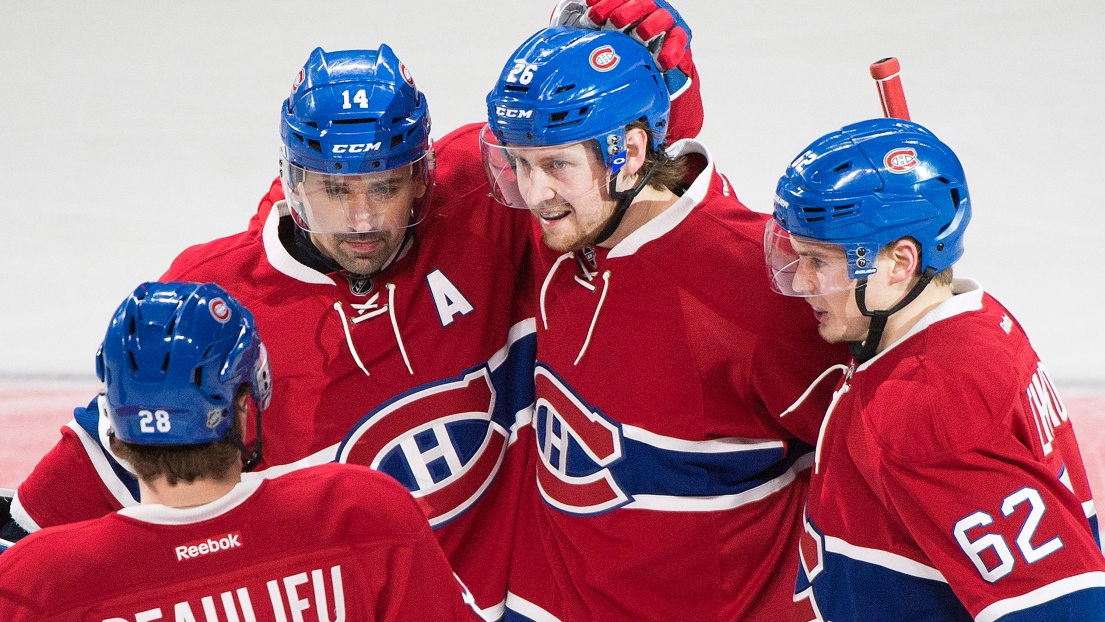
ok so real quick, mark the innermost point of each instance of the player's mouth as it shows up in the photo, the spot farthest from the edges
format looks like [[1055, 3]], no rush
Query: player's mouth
[[550, 215], [363, 245], [820, 314]]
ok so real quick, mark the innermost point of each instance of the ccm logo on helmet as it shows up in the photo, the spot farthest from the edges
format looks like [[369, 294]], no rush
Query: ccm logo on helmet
[[199, 548], [357, 148], [604, 58], [512, 113], [219, 310], [901, 160]]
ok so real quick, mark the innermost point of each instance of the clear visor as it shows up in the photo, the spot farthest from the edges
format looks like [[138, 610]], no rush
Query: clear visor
[[542, 177], [389, 200], [802, 267]]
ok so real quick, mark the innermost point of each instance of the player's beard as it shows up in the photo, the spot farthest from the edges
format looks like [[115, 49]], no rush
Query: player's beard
[[360, 253], [576, 229]]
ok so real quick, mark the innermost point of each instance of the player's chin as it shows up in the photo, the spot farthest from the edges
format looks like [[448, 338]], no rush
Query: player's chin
[[564, 240], [364, 263]]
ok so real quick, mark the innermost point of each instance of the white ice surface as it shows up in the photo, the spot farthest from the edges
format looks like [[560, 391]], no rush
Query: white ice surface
[[131, 129]]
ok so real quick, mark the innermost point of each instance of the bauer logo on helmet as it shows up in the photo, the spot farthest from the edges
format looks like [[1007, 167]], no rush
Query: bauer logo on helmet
[[901, 160], [604, 58]]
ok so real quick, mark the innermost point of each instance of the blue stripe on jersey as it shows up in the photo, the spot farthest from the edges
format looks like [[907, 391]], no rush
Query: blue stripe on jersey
[[1095, 529], [848, 589], [652, 470], [852, 590], [513, 380], [89, 419], [1081, 606]]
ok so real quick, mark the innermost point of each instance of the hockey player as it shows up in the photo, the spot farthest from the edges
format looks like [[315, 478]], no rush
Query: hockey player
[[947, 481], [406, 342], [666, 486], [393, 311], [181, 363]]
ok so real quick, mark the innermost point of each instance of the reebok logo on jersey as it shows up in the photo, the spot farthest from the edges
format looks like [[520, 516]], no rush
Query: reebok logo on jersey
[[200, 548]]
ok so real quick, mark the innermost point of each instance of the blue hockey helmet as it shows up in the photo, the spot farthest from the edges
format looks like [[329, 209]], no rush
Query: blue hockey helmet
[[354, 112], [865, 186], [172, 361], [565, 85]]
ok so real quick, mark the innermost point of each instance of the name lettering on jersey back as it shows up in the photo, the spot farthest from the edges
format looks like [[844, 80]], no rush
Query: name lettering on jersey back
[[1048, 411], [199, 548], [297, 597], [447, 298]]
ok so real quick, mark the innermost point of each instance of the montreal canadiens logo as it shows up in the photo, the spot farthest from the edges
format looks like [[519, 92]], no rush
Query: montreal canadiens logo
[[566, 425], [439, 441], [298, 80], [604, 58], [219, 310], [901, 160], [406, 74]]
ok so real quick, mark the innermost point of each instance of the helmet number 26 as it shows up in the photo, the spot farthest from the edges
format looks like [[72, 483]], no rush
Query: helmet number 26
[[522, 73], [155, 421], [360, 98]]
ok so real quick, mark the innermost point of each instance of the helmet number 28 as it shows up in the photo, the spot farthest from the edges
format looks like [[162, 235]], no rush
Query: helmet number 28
[[522, 73], [155, 421], [360, 98]]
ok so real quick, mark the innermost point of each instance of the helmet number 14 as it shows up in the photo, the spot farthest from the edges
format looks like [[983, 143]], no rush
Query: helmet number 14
[[522, 73], [360, 98], [151, 420]]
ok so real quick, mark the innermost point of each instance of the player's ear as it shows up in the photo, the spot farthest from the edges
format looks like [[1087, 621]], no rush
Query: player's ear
[[905, 256], [636, 146], [241, 408]]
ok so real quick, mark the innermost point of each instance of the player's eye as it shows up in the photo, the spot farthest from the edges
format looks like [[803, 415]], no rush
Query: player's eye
[[381, 188], [335, 189]]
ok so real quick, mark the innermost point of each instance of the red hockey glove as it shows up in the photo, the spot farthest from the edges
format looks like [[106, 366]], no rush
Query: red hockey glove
[[655, 23]]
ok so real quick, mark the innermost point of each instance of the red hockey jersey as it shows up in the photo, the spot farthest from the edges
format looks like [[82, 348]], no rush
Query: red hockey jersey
[[424, 378], [328, 543], [421, 378], [949, 486], [665, 485]]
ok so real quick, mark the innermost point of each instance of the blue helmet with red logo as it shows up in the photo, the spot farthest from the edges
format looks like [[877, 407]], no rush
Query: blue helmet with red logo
[[872, 183], [566, 85], [172, 361], [354, 111]]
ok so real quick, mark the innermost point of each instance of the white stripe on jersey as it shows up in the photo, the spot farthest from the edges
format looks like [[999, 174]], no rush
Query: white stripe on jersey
[[1042, 595], [892, 561]]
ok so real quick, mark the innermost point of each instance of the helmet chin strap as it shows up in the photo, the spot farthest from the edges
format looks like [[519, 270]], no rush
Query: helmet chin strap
[[624, 199], [864, 350]]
